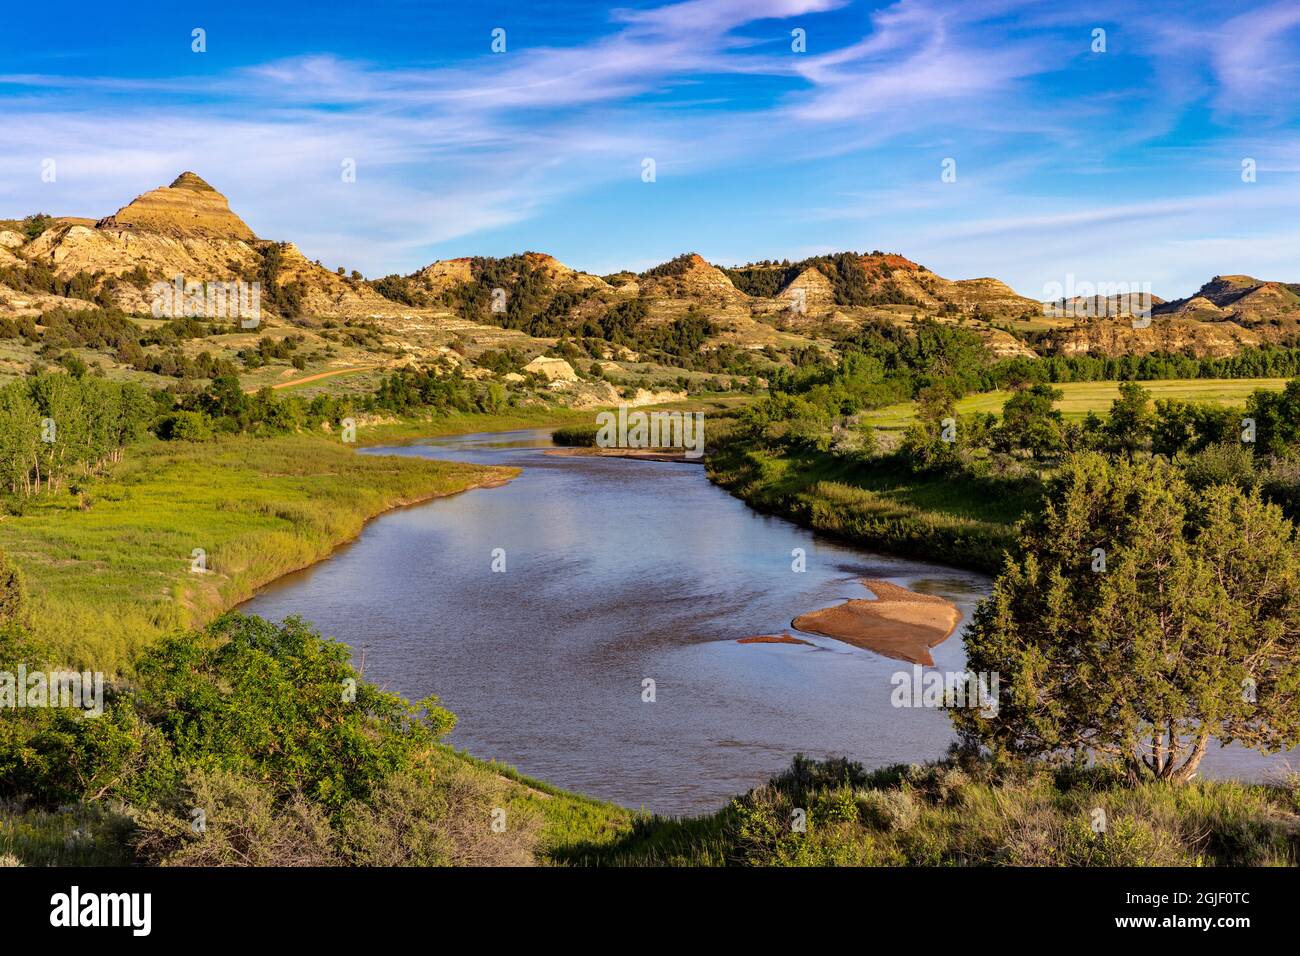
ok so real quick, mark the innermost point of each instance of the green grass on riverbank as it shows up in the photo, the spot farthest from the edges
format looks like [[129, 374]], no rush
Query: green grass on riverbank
[[564, 828], [962, 521], [580, 420], [463, 423], [946, 813], [110, 569]]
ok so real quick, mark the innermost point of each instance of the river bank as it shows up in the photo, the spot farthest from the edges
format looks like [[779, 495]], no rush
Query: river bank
[[746, 708], [181, 532], [961, 522], [619, 572]]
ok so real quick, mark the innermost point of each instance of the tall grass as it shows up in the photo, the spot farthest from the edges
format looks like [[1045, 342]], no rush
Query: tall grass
[[85, 835], [109, 569], [1080, 398], [964, 813], [460, 423]]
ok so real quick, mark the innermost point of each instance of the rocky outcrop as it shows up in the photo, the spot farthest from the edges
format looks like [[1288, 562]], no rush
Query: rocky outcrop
[[70, 249], [1005, 345], [188, 230], [689, 277], [189, 207], [552, 369], [1270, 309], [327, 293], [560, 274], [989, 297], [1119, 337], [809, 292], [445, 274]]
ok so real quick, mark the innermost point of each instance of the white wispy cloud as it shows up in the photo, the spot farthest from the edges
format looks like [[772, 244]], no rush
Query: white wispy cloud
[[448, 153]]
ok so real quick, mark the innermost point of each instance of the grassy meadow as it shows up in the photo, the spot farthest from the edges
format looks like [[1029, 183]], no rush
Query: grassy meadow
[[530, 416], [109, 568], [948, 813], [1080, 398], [462, 423]]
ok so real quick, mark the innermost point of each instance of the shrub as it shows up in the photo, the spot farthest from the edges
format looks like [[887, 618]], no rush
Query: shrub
[[444, 819], [887, 810], [185, 426], [220, 818]]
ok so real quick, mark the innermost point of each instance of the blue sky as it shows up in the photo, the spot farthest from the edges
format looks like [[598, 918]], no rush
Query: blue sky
[[1122, 165]]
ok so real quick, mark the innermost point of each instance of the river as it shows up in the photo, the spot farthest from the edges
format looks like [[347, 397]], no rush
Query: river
[[618, 572]]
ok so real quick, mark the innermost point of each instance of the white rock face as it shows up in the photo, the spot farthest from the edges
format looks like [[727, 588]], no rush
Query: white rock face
[[553, 369]]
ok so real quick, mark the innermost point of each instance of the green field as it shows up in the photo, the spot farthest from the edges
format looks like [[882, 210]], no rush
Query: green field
[[1083, 397], [109, 568]]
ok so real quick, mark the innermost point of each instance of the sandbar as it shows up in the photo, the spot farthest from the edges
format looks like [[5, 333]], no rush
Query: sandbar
[[899, 623]]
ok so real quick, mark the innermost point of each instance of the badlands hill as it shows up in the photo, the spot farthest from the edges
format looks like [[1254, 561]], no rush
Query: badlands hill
[[1267, 308], [186, 229], [188, 208], [189, 229], [786, 303], [1225, 315]]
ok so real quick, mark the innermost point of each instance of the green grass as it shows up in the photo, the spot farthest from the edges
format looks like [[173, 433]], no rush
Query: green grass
[[949, 813], [1083, 397], [463, 423], [964, 814], [85, 835], [878, 505], [110, 570], [575, 829]]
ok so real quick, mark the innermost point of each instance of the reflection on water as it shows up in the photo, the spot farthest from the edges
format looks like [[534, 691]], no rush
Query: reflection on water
[[948, 586], [619, 571]]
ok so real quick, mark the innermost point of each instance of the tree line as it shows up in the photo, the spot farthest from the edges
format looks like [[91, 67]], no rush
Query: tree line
[[55, 426]]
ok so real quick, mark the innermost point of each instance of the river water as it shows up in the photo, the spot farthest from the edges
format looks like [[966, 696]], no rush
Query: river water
[[618, 572]]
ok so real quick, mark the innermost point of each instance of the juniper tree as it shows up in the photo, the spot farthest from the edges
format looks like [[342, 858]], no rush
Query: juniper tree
[[1131, 422], [1138, 620]]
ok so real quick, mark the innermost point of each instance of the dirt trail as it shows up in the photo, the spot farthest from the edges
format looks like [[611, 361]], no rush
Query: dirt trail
[[316, 377]]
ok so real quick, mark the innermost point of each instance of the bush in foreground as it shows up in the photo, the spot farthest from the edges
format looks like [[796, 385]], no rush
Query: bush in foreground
[[249, 744], [964, 812]]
